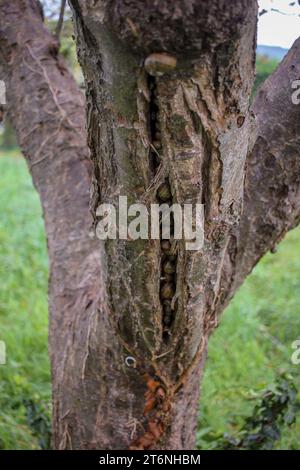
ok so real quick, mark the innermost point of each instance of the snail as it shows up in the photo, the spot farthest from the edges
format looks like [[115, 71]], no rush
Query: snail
[[130, 361], [157, 64], [169, 267], [167, 290], [164, 192], [165, 245], [168, 247]]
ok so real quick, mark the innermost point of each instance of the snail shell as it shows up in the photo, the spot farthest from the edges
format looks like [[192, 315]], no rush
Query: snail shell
[[169, 267], [167, 290], [158, 64], [130, 361], [167, 319], [164, 192], [165, 245]]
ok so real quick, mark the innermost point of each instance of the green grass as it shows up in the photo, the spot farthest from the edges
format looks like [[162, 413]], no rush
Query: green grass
[[264, 67], [247, 352], [23, 304], [252, 346]]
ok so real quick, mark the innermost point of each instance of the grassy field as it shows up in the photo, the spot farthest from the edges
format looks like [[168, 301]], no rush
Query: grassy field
[[25, 379], [247, 352], [252, 345], [264, 67]]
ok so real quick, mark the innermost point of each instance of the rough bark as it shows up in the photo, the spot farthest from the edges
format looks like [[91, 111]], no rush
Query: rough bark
[[100, 317], [200, 109], [271, 202], [272, 199], [47, 110]]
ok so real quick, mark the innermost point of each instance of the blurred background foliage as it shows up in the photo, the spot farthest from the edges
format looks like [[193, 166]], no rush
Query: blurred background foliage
[[249, 398]]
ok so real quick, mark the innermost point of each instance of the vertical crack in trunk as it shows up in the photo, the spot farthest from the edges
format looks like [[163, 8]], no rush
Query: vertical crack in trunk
[[168, 246], [160, 393]]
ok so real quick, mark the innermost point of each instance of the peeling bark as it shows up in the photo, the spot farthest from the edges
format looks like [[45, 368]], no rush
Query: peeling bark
[[272, 198]]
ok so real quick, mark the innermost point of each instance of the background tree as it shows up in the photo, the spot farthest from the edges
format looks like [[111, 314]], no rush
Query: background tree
[[128, 347]]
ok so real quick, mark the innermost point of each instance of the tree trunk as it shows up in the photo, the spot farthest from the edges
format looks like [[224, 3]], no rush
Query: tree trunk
[[201, 112], [126, 364], [47, 110]]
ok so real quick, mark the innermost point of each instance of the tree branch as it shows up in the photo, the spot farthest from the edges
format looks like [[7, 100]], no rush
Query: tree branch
[[209, 98], [60, 22], [47, 111]]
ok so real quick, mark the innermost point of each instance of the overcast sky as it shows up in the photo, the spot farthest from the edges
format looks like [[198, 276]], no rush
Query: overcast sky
[[276, 29]]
